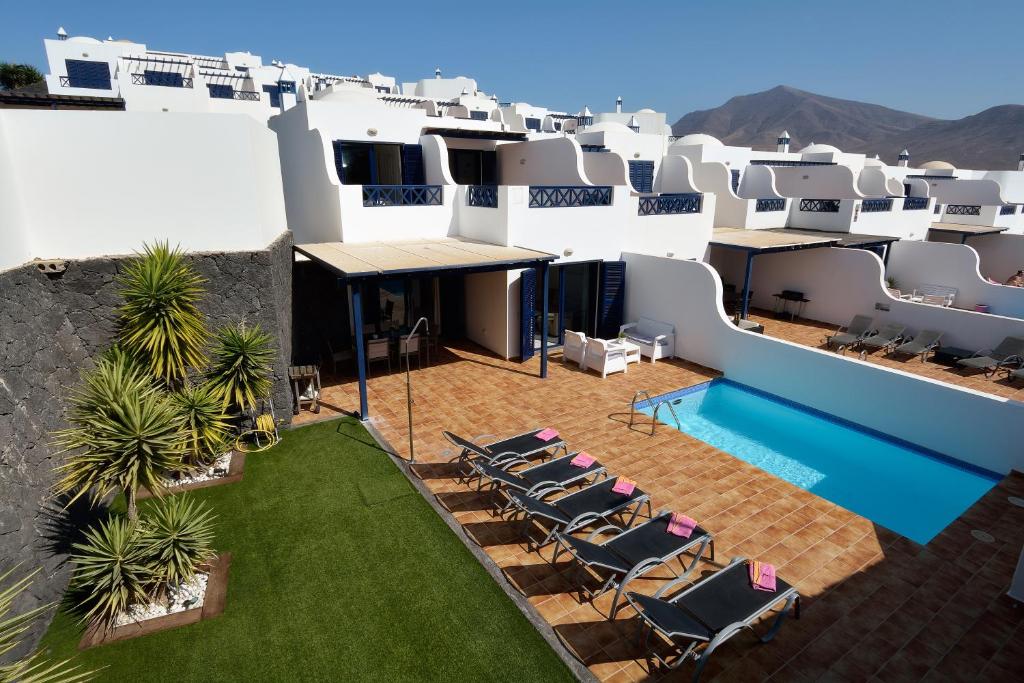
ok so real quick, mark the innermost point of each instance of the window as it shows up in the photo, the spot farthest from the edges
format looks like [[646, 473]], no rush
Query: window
[[86, 74], [533, 124], [275, 94], [287, 87], [641, 175], [473, 166], [478, 115], [220, 91], [168, 79]]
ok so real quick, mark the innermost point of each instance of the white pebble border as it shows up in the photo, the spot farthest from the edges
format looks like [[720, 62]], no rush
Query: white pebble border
[[219, 469], [188, 595]]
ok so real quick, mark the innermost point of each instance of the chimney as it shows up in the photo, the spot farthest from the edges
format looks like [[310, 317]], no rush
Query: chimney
[[437, 72], [904, 159], [62, 34], [1020, 164], [618, 104], [783, 142]]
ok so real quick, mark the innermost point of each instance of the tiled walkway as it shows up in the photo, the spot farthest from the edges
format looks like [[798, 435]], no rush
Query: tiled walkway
[[877, 606], [812, 333]]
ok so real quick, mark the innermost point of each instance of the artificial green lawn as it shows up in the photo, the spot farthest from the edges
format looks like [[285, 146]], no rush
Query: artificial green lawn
[[340, 570]]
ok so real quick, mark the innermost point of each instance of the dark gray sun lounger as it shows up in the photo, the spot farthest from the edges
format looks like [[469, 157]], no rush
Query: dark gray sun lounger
[[1009, 351], [924, 342], [886, 338], [523, 445], [559, 472], [579, 509], [631, 553], [711, 611], [858, 328]]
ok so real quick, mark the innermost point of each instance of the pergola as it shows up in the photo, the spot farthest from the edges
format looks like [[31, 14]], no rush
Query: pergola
[[359, 263], [963, 230]]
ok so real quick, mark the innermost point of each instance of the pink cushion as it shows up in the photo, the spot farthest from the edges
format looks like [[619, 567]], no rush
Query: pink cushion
[[582, 459], [546, 434]]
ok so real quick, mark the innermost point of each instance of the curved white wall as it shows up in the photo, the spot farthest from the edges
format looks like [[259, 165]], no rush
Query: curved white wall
[[554, 161], [1001, 255], [817, 182]]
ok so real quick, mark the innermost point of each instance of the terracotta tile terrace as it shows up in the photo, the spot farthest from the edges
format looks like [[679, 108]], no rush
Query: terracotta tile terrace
[[876, 606]]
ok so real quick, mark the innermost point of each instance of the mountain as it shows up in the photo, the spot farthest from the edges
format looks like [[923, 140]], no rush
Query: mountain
[[990, 139]]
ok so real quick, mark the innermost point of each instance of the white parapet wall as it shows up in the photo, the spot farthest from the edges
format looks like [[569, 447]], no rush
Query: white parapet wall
[[963, 424], [912, 264], [84, 184], [1001, 255]]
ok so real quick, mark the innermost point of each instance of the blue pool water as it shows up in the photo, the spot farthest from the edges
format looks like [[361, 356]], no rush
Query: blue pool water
[[908, 490]]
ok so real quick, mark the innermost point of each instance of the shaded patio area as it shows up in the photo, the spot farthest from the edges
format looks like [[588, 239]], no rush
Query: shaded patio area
[[876, 605]]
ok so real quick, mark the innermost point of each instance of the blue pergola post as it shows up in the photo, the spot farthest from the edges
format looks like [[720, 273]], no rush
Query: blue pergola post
[[561, 305], [544, 320], [745, 301], [357, 314]]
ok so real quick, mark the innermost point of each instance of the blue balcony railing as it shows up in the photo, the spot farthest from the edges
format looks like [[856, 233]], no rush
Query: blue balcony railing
[[963, 210], [770, 204], [1008, 210], [584, 121], [689, 202], [915, 203], [167, 79], [402, 195], [788, 163], [80, 82], [820, 205], [876, 205], [485, 196], [563, 196]]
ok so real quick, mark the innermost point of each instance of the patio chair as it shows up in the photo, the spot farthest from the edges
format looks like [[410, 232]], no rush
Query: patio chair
[[844, 337], [520, 446], [711, 611], [601, 355], [575, 348], [535, 479], [579, 509], [886, 338], [925, 341], [1008, 352], [631, 553], [410, 347], [378, 350]]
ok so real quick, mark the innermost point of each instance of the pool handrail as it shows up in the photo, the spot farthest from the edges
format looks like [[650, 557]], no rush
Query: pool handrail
[[654, 415]]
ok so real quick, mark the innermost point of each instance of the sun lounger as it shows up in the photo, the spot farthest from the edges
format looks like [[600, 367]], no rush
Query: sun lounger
[[1009, 351], [844, 337], [1013, 375], [886, 338], [711, 611], [579, 509], [631, 553], [925, 341], [559, 472], [520, 446]]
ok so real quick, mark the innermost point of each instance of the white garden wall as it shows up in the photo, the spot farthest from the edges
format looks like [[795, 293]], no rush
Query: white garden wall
[[1001, 255], [925, 412]]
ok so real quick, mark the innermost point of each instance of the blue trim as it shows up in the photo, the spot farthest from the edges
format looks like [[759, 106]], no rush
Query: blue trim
[[544, 320], [671, 203], [565, 196], [834, 419], [876, 205], [770, 204], [357, 314]]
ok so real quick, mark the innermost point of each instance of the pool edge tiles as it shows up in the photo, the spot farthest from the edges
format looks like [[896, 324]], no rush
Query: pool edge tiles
[[868, 472]]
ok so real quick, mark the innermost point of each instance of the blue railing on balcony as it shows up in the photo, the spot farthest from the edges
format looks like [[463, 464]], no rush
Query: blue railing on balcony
[[820, 205], [402, 195], [915, 203], [563, 196], [584, 121], [485, 196], [770, 204], [963, 210], [688, 202], [876, 205], [1008, 210], [79, 82], [249, 95], [789, 162], [167, 79]]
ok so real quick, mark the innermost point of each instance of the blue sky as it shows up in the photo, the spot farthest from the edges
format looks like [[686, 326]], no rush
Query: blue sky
[[941, 58]]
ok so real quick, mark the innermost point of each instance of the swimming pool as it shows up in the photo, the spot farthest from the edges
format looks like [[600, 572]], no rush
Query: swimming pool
[[911, 491]]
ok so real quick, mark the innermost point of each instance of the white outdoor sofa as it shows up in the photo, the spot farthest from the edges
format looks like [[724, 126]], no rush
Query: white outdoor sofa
[[655, 338]]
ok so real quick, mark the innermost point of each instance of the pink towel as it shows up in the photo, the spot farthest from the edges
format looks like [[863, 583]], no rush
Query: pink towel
[[681, 525], [546, 434], [582, 459], [762, 576], [624, 486]]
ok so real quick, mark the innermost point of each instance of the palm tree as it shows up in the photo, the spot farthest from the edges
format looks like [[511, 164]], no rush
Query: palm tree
[[241, 367], [18, 75], [160, 322]]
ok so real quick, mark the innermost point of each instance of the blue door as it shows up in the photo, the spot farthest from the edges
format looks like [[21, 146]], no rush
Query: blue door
[[612, 299], [412, 165], [527, 309]]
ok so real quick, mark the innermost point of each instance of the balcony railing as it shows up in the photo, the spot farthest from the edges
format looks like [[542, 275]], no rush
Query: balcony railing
[[563, 196], [249, 95], [166, 79], [690, 202], [79, 82], [785, 163], [1008, 210], [915, 203], [770, 204], [963, 210], [820, 205], [402, 195], [876, 205], [584, 121], [485, 196]]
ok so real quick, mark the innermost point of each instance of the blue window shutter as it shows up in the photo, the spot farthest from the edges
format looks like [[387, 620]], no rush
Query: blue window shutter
[[337, 161], [641, 175], [613, 299], [275, 94], [412, 165], [221, 91], [88, 74], [527, 305], [735, 180], [166, 78]]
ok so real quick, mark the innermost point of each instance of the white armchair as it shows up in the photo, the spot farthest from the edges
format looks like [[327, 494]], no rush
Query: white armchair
[[575, 348], [604, 356], [655, 338]]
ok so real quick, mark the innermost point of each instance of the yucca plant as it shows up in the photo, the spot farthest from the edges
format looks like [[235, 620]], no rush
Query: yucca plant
[[112, 570], [31, 668], [116, 374], [178, 537], [137, 439], [241, 366], [160, 322], [205, 423]]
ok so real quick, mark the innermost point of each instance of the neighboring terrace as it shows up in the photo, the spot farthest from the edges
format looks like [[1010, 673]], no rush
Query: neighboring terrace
[[875, 603]]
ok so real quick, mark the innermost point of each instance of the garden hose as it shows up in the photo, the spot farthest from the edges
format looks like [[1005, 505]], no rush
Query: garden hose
[[264, 426]]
